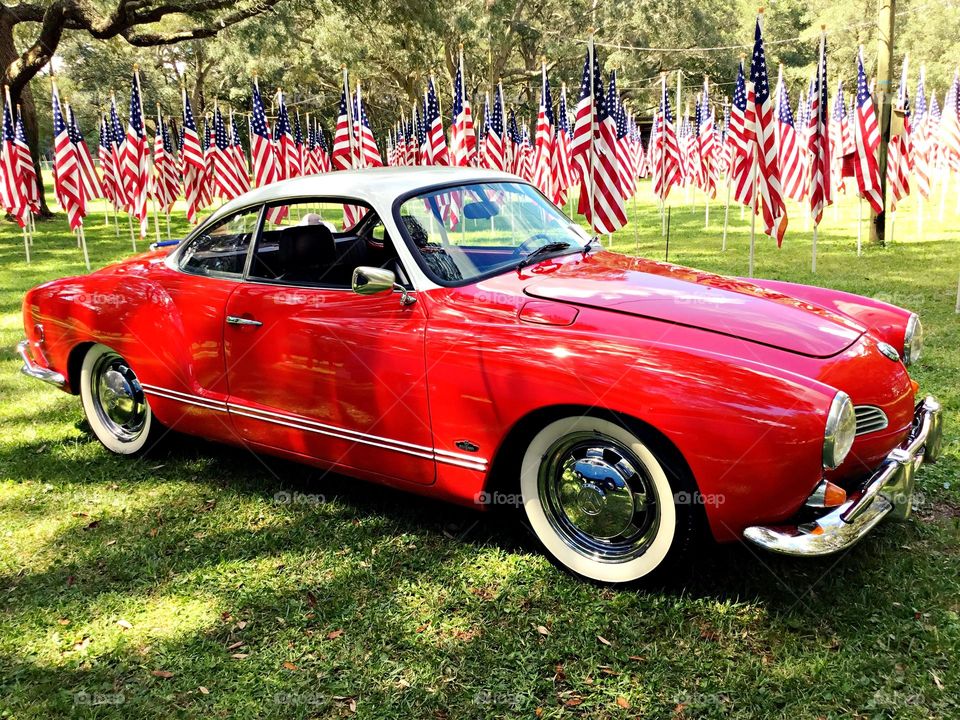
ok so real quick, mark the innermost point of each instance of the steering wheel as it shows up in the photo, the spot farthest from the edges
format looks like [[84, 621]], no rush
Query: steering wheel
[[528, 245]]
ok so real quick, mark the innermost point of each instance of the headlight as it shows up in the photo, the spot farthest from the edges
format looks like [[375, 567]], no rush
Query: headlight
[[912, 340], [840, 431]]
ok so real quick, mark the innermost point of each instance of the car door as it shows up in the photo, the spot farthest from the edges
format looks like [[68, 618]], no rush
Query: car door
[[316, 369]]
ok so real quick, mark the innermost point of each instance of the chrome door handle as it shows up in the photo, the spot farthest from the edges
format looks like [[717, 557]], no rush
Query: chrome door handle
[[234, 320]]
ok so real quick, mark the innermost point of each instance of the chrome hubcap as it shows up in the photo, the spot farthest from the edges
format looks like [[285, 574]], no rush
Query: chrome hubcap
[[118, 397], [598, 497]]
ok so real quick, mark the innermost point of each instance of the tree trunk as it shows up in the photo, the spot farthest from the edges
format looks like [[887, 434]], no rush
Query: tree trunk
[[8, 54]]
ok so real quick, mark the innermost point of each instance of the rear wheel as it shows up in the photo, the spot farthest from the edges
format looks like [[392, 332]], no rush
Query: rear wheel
[[600, 502], [114, 403]]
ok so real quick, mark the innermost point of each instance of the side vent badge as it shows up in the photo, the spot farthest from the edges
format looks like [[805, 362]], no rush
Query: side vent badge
[[467, 446]]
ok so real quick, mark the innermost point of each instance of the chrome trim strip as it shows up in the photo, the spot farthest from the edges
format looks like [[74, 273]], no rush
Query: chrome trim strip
[[31, 369], [300, 423]]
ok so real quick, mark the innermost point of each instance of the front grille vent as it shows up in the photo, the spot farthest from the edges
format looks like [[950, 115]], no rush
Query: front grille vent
[[869, 419]]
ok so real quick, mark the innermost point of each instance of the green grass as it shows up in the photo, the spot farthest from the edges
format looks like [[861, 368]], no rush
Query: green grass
[[370, 603]]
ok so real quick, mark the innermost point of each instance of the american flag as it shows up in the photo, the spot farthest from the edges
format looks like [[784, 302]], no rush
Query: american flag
[[525, 155], [821, 189], [494, 146], [706, 143], [311, 156], [207, 140], [764, 133], [741, 139], [165, 183], [545, 141], [436, 145], [844, 145], [15, 199], [463, 140], [192, 161], [792, 154], [90, 180], [561, 175], [300, 153], [898, 149], [511, 145], [135, 158], [227, 184], [867, 138], [105, 154], [625, 176], [594, 150], [283, 144], [67, 182], [950, 127], [665, 152], [343, 135], [27, 171], [117, 137], [323, 154], [239, 156], [261, 146]]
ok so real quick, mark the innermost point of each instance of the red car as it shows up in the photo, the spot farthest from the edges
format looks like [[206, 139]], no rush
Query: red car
[[463, 339]]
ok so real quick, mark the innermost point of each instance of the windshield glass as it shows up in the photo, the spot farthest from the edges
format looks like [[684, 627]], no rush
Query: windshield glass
[[471, 231]]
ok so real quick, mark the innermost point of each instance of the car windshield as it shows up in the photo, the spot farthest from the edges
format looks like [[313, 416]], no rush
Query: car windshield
[[471, 231]]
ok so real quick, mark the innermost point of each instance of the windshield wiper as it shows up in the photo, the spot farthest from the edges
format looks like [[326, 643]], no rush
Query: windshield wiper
[[593, 240], [550, 247]]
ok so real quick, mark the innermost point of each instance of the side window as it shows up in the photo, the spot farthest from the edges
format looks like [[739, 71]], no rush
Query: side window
[[222, 248], [305, 243]]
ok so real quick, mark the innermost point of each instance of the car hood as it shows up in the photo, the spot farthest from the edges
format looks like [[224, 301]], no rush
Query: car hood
[[683, 296]]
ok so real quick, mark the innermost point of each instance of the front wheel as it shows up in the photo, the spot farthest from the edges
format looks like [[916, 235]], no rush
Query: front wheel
[[600, 502], [114, 403]]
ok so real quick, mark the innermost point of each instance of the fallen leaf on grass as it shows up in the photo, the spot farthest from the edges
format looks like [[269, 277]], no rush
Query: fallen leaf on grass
[[124, 624], [82, 644], [111, 542], [208, 505], [41, 449], [63, 621], [602, 639], [334, 634], [153, 532], [623, 702], [542, 630], [165, 674], [240, 656], [203, 690], [937, 681], [290, 666], [574, 701], [234, 646]]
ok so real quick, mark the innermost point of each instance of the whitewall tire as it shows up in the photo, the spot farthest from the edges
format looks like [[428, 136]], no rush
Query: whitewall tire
[[599, 500], [114, 403]]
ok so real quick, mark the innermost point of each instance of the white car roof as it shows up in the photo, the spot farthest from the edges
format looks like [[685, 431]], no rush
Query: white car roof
[[377, 186]]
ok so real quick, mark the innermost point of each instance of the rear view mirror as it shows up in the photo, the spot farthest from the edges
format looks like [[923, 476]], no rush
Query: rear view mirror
[[479, 211], [373, 281]]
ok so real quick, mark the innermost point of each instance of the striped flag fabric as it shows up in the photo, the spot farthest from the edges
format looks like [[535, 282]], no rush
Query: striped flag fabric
[[342, 156], [226, 182], [166, 185], [898, 149], [192, 162], [311, 157], [105, 155], [463, 140], [117, 137], [67, 183], [511, 145], [14, 190], [821, 188], [366, 144], [792, 154], [624, 176], [595, 140], [135, 158], [920, 139], [774, 211], [283, 144], [561, 173], [299, 151], [664, 149], [741, 139], [436, 140], [27, 171], [239, 156], [494, 146], [545, 139], [950, 127], [90, 180], [261, 146], [323, 153], [866, 133], [706, 143]]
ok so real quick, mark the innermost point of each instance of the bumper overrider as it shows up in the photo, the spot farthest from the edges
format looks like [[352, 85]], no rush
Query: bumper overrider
[[31, 369], [888, 491]]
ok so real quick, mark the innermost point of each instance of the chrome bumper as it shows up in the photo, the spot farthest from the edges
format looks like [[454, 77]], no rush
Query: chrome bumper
[[887, 492], [30, 369]]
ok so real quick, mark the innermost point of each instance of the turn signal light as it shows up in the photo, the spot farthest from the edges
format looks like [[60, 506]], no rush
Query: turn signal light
[[827, 495]]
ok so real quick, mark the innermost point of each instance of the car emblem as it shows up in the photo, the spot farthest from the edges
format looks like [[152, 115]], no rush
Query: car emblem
[[888, 350]]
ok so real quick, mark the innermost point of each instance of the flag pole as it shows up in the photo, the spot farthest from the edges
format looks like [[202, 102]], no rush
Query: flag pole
[[860, 228], [593, 119], [26, 244], [83, 244]]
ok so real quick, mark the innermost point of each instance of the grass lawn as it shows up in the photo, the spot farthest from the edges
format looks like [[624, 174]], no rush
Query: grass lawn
[[182, 586]]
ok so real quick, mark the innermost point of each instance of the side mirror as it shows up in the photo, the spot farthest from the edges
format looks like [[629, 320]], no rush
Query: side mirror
[[373, 281]]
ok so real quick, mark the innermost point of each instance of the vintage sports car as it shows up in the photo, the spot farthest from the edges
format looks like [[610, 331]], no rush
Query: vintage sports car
[[461, 338]]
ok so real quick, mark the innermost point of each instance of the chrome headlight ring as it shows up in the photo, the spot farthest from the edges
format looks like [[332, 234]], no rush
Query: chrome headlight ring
[[840, 430], [912, 340]]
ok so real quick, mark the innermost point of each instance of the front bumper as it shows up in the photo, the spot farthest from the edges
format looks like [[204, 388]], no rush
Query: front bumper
[[31, 369], [888, 491]]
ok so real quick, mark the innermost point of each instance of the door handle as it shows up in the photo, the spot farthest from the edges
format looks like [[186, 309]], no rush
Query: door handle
[[234, 320]]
